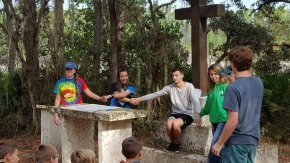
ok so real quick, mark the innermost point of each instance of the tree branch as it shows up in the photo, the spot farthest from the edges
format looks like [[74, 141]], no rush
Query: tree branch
[[42, 11], [268, 2], [165, 4], [129, 8]]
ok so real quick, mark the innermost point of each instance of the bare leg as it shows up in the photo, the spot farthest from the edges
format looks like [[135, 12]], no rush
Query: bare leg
[[177, 123], [169, 129]]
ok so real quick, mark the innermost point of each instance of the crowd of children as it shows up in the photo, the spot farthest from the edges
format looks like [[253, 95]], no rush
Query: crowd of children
[[46, 153]]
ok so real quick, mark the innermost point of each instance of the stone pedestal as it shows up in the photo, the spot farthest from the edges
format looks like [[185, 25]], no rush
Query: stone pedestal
[[110, 137], [50, 133], [76, 134], [76, 130]]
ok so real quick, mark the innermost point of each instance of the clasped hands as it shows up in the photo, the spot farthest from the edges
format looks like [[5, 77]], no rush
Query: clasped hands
[[133, 101]]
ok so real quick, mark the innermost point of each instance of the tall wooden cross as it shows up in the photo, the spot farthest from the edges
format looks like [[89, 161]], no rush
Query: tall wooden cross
[[198, 13]]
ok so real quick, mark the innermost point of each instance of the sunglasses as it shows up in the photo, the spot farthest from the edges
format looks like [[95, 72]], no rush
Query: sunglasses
[[68, 69]]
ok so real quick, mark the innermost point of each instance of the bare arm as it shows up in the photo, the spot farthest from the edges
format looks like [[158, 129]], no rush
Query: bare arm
[[92, 95], [125, 100], [233, 119], [56, 105], [120, 95]]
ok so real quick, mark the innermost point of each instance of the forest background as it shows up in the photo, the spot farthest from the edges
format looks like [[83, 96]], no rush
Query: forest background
[[38, 36]]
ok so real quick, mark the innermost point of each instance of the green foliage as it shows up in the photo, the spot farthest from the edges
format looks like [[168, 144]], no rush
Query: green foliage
[[275, 109], [248, 34], [12, 103]]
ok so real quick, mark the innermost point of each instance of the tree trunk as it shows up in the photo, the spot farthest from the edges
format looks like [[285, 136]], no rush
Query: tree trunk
[[31, 64], [114, 41], [149, 79], [120, 29], [71, 13], [138, 80], [165, 71], [10, 32], [97, 40], [58, 36]]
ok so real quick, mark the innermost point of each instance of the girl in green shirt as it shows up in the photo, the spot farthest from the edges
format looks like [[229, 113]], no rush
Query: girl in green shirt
[[213, 106]]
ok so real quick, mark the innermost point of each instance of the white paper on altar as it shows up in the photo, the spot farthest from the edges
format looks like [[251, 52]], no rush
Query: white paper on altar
[[89, 107]]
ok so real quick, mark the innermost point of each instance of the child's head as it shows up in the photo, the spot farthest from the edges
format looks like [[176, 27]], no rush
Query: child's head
[[241, 57], [9, 153], [214, 75], [123, 76], [83, 156], [132, 148], [46, 153], [70, 70], [177, 75]]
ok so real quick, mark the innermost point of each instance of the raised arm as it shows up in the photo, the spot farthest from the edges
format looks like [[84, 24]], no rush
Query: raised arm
[[164, 91], [154, 95]]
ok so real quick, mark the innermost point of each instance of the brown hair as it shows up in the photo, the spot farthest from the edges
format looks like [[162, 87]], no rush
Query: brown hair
[[83, 156], [241, 57], [216, 68], [119, 84], [178, 69], [45, 152], [6, 148], [131, 146]]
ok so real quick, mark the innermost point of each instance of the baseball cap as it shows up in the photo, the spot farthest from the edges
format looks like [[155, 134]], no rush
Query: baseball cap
[[71, 65]]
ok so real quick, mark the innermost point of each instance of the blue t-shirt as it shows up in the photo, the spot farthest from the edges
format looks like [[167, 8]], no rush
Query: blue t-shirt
[[245, 96], [115, 101]]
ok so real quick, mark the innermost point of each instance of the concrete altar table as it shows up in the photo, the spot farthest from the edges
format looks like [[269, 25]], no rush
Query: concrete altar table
[[76, 129]]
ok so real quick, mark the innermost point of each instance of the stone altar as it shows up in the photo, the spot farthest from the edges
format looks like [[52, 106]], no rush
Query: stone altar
[[76, 129]]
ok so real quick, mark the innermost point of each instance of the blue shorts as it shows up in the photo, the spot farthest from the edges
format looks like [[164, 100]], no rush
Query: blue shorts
[[241, 153]]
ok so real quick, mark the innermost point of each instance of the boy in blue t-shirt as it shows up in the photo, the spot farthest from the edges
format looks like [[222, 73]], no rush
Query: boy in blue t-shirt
[[243, 101]]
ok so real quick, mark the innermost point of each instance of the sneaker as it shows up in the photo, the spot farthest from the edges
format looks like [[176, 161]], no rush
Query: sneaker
[[176, 147], [170, 147]]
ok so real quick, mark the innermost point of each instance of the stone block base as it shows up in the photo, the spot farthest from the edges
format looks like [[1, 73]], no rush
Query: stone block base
[[194, 139], [152, 155]]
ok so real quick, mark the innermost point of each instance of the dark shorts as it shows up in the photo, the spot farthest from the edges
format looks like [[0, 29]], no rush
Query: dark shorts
[[187, 120]]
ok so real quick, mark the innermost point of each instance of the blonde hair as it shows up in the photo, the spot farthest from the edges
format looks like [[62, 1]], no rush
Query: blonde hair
[[83, 156], [45, 152]]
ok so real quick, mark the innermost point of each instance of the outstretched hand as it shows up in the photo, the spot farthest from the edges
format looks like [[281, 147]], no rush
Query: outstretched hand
[[135, 101], [103, 99], [107, 97]]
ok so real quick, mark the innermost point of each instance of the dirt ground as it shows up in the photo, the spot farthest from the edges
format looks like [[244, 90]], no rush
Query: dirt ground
[[27, 144]]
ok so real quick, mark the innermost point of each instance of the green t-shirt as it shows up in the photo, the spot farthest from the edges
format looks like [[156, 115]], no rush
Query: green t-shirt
[[214, 104]]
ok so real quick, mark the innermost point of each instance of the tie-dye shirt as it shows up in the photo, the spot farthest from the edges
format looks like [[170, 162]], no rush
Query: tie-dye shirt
[[66, 88]]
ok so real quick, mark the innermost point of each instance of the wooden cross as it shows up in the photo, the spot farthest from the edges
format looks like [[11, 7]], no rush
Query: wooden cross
[[198, 13]]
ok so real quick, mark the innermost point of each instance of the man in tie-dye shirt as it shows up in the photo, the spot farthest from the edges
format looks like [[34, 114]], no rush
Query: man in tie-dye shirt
[[68, 90]]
